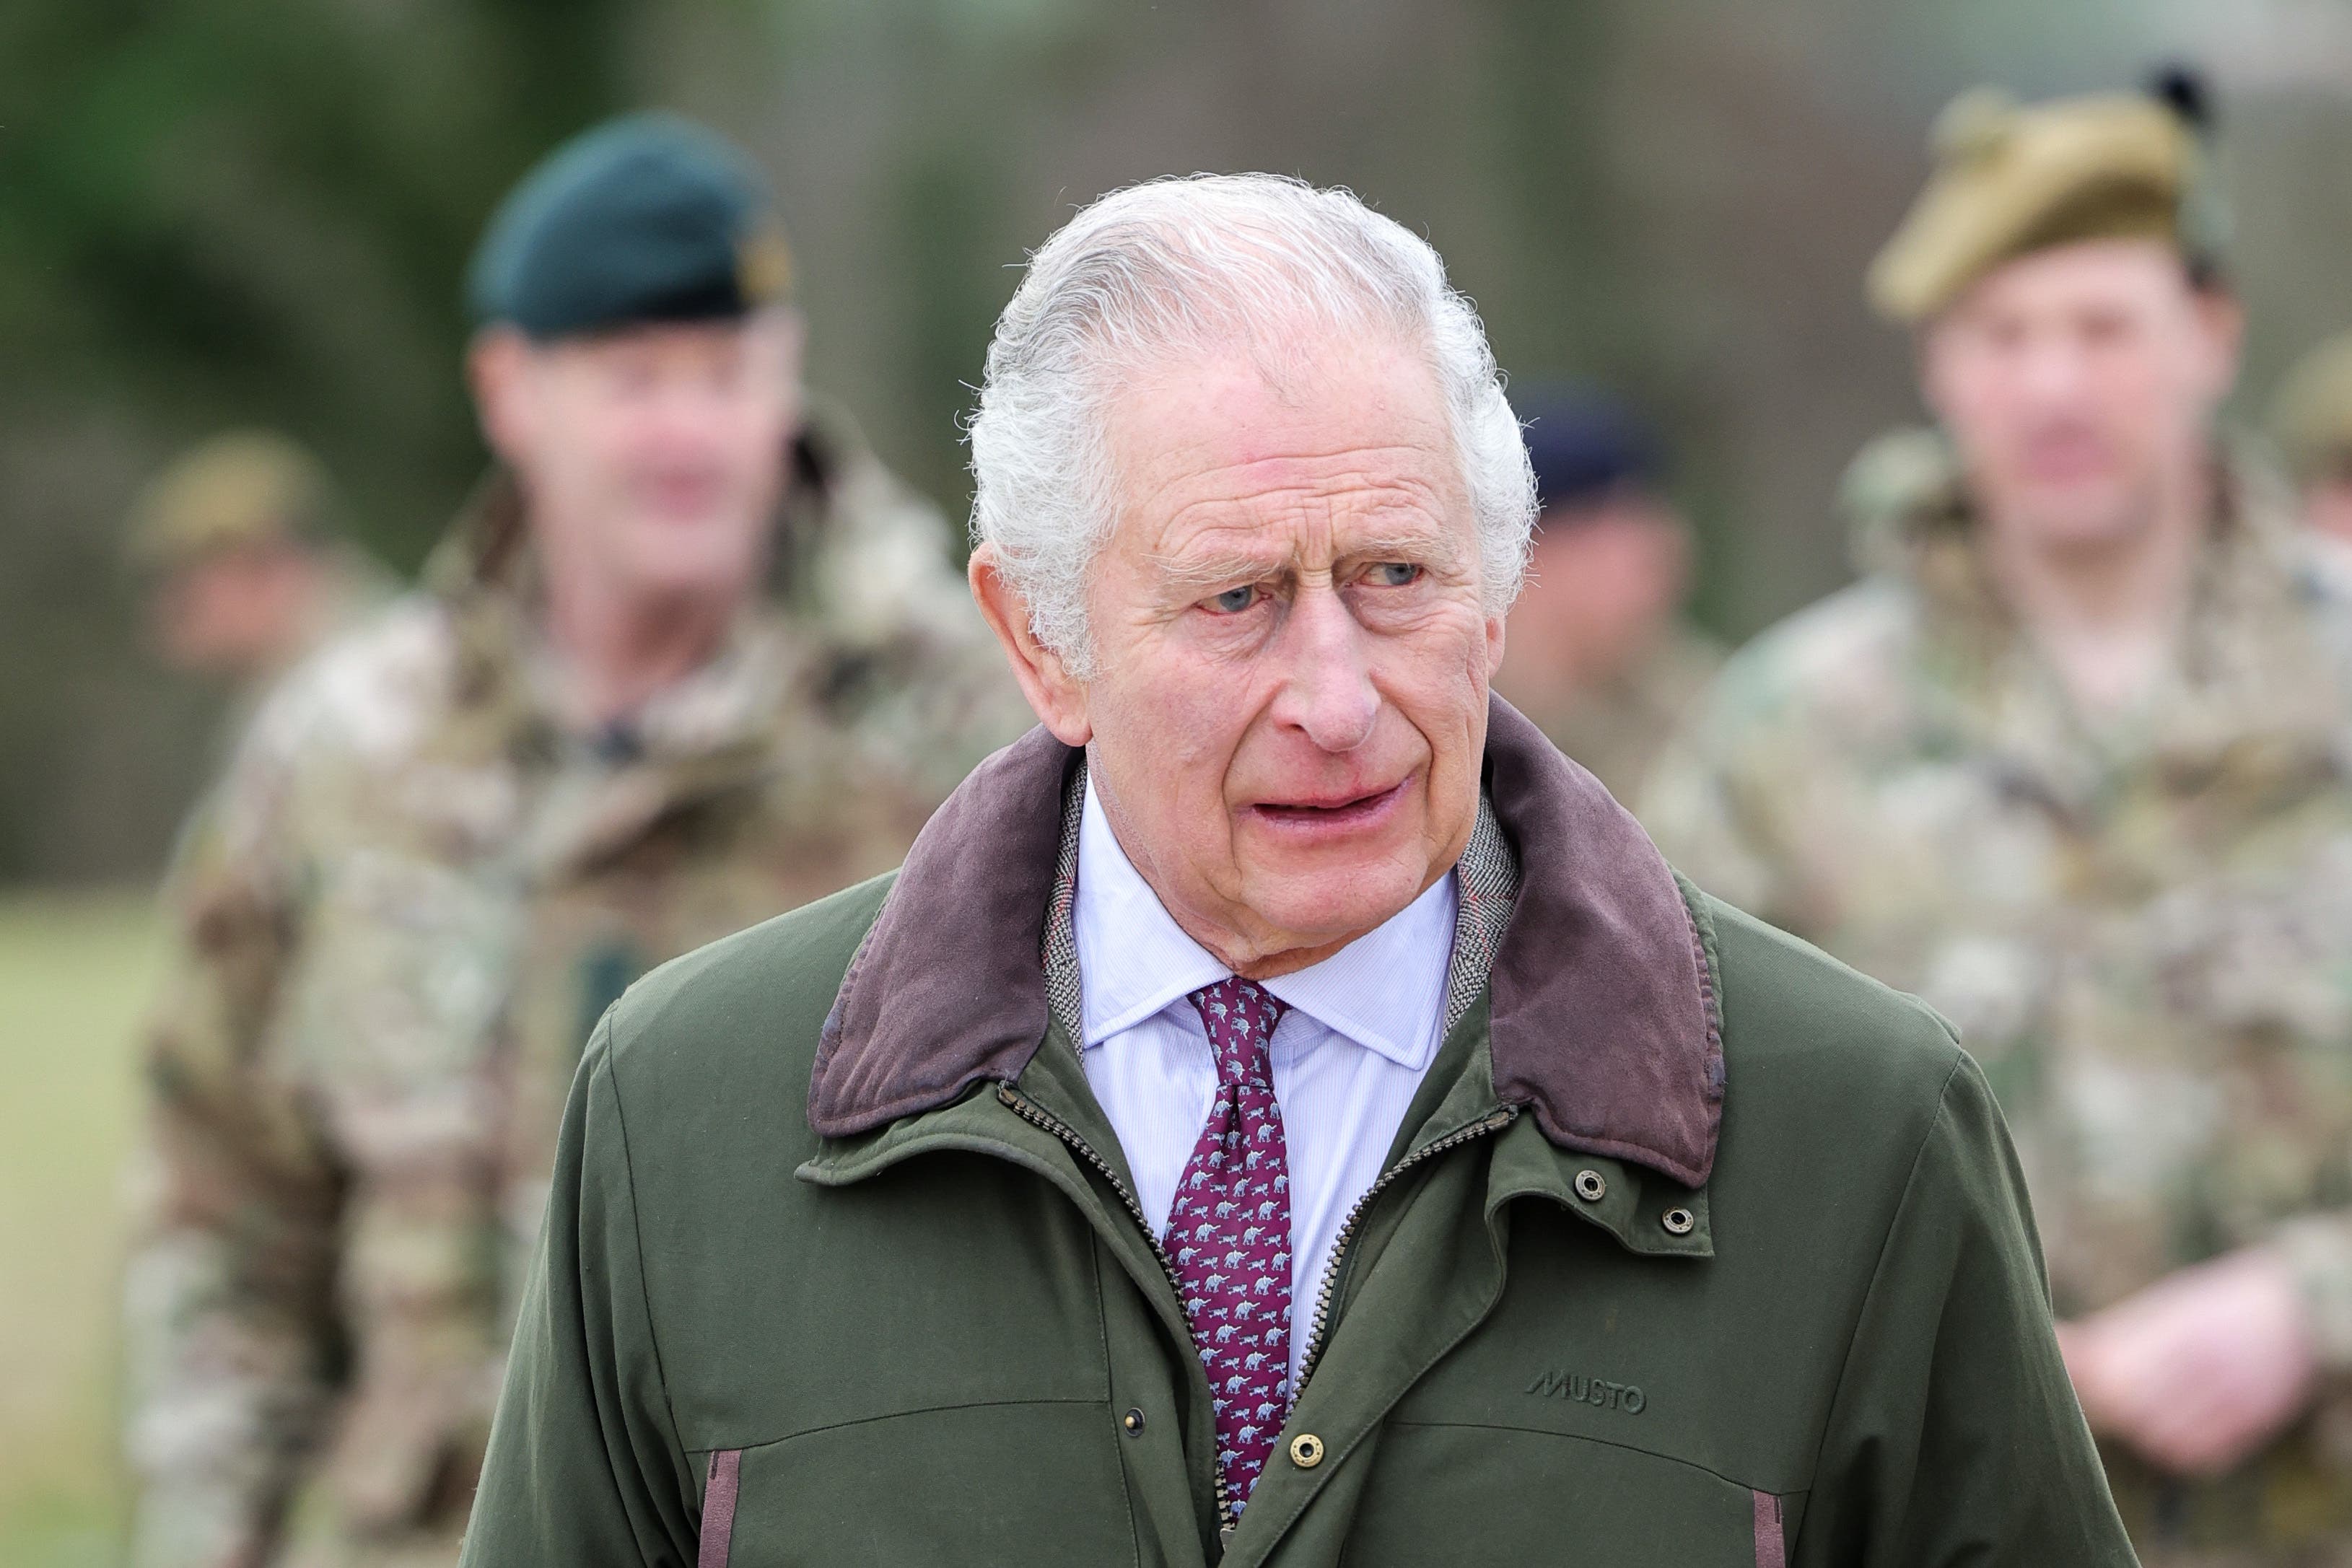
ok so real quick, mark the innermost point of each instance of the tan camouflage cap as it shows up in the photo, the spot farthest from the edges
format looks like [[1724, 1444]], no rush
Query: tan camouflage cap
[[2011, 179], [242, 489], [2311, 416]]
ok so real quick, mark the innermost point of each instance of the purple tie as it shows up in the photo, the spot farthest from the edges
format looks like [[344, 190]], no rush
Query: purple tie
[[1229, 1234]]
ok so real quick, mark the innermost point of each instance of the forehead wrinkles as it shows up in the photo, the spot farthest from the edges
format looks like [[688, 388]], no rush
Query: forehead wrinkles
[[1265, 490], [1393, 473], [1291, 361], [1258, 469]]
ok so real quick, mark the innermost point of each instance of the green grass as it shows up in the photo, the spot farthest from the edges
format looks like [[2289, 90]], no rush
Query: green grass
[[76, 971]]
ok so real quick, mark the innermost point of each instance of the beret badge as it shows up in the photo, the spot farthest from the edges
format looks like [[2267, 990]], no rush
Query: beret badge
[[763, 265]]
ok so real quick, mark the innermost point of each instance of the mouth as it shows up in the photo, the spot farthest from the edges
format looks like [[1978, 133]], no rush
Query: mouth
[[681, 496], [2066, 457], [1336, 813]]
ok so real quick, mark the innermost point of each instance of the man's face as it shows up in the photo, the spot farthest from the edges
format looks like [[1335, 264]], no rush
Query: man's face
[[2075, 381], [1288, 708], [1606, 578], [237, 614], [653, 456]]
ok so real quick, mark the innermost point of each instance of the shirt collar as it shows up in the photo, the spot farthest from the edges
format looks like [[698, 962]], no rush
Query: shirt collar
[[1383, 990]]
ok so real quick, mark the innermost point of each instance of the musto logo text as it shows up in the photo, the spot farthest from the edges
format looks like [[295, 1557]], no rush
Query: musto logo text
[[1588, 1391]]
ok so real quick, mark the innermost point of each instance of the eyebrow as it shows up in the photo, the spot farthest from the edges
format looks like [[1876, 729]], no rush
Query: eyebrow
[[1228, 568], [1190, 578]]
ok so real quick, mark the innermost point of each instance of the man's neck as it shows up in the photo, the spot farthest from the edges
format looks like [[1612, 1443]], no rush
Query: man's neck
[[2106, 614], [618, 649]]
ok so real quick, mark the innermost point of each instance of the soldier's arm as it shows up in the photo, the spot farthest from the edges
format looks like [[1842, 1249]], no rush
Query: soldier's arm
[[585, 1467], [228, 1320]]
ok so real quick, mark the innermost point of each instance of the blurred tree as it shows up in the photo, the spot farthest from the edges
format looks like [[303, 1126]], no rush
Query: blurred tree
[[1567, 301], [258, 209]]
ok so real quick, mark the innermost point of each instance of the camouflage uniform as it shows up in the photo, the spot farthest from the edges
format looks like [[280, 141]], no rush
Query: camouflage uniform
[[2142, 924], [430, 891], [358, 590]]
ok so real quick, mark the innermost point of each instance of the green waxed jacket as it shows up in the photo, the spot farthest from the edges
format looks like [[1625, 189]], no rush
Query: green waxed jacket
[[1698, 1249]]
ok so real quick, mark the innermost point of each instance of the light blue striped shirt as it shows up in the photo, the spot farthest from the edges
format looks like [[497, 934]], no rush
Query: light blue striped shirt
[[1348, 1057]]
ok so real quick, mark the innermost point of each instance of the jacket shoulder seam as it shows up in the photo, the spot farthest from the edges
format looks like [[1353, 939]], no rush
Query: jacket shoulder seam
[[608, 1028], [1885, 1011], [1878, 1266], [652, 999]]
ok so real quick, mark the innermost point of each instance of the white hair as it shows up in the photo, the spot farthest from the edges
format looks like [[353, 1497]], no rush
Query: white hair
[[1187, 265]]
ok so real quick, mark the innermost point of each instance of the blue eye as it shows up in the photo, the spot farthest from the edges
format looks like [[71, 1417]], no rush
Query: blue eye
[[1233, 601], [1396, 574]]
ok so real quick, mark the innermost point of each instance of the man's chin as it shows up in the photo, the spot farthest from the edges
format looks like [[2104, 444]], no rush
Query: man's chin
[[2078, 521], [1335, 901], [686, 572]]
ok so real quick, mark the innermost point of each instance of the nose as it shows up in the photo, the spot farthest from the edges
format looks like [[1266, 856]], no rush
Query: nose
[[2054, 372], [1327, 693], [685, 412]]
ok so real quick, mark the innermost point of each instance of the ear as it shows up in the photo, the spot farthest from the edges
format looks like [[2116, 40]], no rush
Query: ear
[[2224, 320], [1057, 698], [1677, 550], [1494, 646], [785, 333], [495, 364], [1928, 359]]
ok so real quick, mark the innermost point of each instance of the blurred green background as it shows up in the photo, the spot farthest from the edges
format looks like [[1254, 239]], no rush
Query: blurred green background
[[218, 211]]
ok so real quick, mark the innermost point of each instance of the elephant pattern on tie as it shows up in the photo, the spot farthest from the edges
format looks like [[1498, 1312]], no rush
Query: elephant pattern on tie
[[1229, 1234]]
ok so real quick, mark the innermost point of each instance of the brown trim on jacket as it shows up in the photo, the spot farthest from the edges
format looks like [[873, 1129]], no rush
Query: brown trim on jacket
[[716, 1537], [1602, 1006], [1771, 1540]]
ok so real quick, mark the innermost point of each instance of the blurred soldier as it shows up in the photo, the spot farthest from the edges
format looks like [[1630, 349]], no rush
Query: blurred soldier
[[2070, 762], [1597, 653], [243, 540], [244, 545], [2311, 418], [591, 742]]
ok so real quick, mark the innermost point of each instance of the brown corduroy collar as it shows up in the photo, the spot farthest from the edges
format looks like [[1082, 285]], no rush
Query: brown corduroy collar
[[1602, 1007]]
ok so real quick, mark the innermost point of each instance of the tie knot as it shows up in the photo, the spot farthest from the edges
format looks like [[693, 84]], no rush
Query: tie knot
[[1240, 1016]]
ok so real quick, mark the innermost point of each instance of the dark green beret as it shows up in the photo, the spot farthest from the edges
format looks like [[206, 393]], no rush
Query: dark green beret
[[646, 218]]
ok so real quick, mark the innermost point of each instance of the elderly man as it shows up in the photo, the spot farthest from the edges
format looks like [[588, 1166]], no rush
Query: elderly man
[[2070, 762], [1281, 1110]]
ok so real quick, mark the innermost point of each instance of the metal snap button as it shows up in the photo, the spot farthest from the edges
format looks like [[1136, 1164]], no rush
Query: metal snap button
[[1678, 1221], [1306, 1451], [1133, 1422], [1591, 1185]]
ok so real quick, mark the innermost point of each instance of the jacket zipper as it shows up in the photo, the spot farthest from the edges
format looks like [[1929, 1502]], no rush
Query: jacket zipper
[[1028, 1111], [1321, 1321]]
